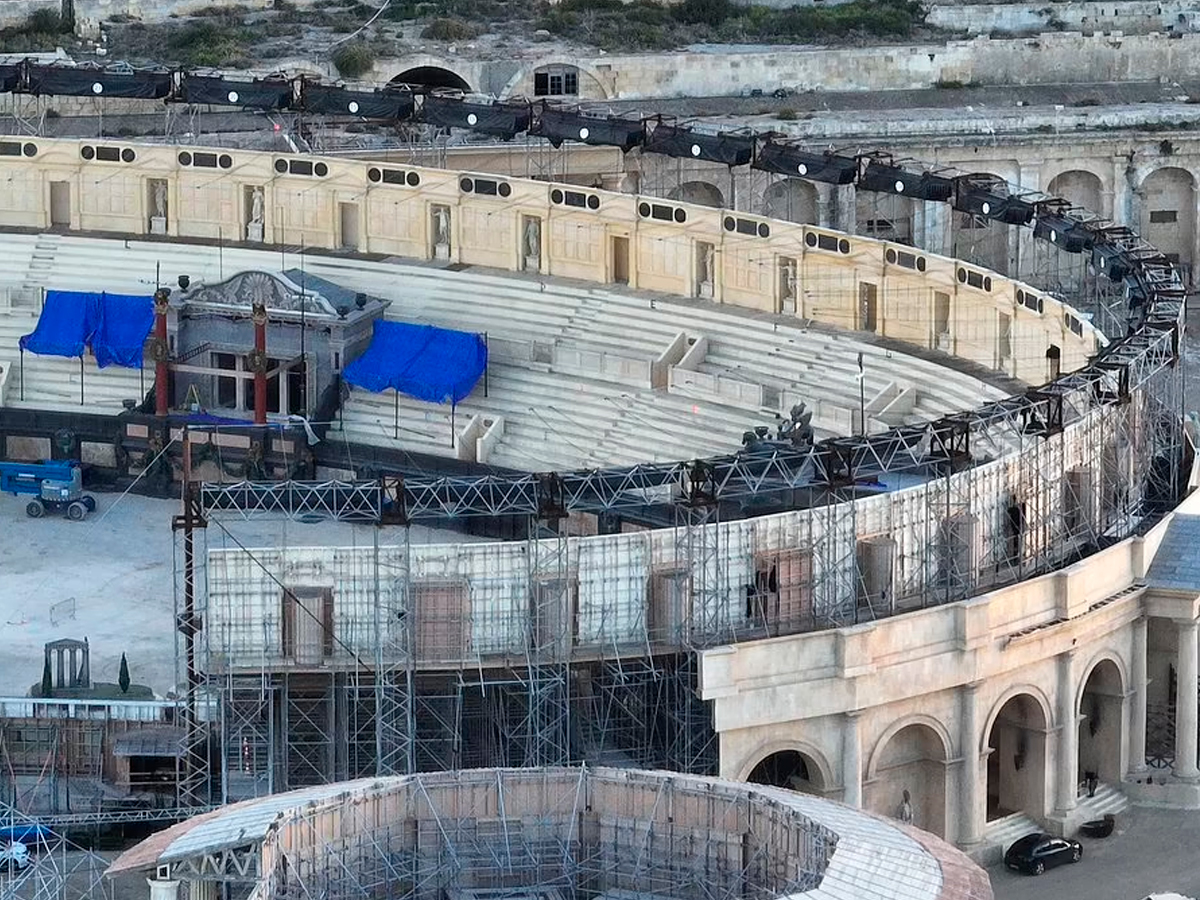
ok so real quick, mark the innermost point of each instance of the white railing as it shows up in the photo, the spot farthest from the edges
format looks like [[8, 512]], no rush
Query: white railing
[[124, 710]]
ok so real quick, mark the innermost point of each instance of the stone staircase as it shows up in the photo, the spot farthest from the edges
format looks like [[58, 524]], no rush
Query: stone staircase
[[1108, 800], [1000, 834], [41, 266]]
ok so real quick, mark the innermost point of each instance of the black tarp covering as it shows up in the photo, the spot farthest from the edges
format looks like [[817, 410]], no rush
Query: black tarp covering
[[729, 149], [67, 81], [895, 180], [991, 200], [785, 159], [269, 94], [10, 77], [560, 125], [339, 101], [503, 119]]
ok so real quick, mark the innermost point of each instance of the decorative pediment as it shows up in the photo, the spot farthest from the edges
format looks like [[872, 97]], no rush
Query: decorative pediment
[[276, 292]]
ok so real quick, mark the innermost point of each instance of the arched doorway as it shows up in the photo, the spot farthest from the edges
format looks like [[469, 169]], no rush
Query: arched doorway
[[914, 759], [1081, 188], [792, 200], [980, 240], [1101, 723], [789, 769], [700, 192], [432, 77], [1168, 212], [1016, 763]]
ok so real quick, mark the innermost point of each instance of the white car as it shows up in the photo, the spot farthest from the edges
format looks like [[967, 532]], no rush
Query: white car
[[15, 856], [1170, 895]]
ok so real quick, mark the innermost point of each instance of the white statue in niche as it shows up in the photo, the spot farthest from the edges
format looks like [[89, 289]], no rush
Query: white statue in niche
[[533, 238], [788, 280], [256, 207], [706, 265], [441, 225], [441, 232], [158, 199]]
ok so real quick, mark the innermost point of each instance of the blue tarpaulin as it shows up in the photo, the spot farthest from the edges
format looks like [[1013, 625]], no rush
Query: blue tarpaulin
[[433, 364], [120, 337], [66, 324], [114, 325]]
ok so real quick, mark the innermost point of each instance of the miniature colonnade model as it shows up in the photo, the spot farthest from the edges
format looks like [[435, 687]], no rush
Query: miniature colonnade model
[[987, 499]]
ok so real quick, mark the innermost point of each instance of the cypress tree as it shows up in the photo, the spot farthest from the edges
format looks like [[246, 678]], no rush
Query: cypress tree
[[123, 675]]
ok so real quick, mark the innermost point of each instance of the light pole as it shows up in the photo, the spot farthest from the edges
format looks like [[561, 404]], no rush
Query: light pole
[[862, 397]]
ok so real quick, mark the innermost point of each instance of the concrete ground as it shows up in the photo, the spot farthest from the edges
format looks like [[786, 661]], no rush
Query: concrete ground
[[117, 566], [1152, 850]]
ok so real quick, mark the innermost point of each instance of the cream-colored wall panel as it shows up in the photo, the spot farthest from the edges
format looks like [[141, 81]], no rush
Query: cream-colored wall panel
[[487, 233]]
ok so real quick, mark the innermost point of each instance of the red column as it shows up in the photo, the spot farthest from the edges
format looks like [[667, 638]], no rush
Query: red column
[[260, 364], [161, 300]]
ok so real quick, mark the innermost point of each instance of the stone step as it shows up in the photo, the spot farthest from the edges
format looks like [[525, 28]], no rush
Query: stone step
[[1108, 800], [1000, 834]]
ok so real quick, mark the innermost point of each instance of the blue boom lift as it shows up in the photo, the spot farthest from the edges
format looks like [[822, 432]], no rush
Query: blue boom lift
[[54, 486]]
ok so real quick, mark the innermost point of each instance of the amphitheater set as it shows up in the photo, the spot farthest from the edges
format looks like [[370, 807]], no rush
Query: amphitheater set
[[694, 551]]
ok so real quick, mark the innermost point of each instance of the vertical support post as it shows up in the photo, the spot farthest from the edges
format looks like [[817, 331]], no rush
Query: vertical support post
[[1185, 703], [488, 353], [260, 363], [1068, 736], [22, 373], [969, 830], [81, 379], [851, 760], [453, 407], [162, 298], [1137, 710], [395, 414], [195, 787]]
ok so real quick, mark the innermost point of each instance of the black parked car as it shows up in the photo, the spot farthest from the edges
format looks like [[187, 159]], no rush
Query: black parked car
[[1035, 853]]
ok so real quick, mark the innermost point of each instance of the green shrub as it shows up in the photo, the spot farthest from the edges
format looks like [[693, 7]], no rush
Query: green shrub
[[787, 115], [45, 21], [450, 30], [354, 60], [209, 43], [704, 12]]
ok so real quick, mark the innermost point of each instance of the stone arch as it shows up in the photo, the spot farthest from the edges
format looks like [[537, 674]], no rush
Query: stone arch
[[1015, 690], [1100, 705], [702, 193], [792, 200], [1080, 187], [911, 762], [1104, 655], [934, 725], [1015, 741], [432, 76], [1168, 212], [591, 84], [820, 773]]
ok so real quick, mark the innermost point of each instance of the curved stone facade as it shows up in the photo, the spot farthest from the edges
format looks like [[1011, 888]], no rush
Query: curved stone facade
[[1003, 645]]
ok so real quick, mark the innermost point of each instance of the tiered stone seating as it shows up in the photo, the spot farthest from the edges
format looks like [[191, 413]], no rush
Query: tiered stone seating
[[554, 416]]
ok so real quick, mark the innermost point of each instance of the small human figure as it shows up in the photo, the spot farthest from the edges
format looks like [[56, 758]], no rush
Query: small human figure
[[708, 264], [906, 809], [1091, 782]]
